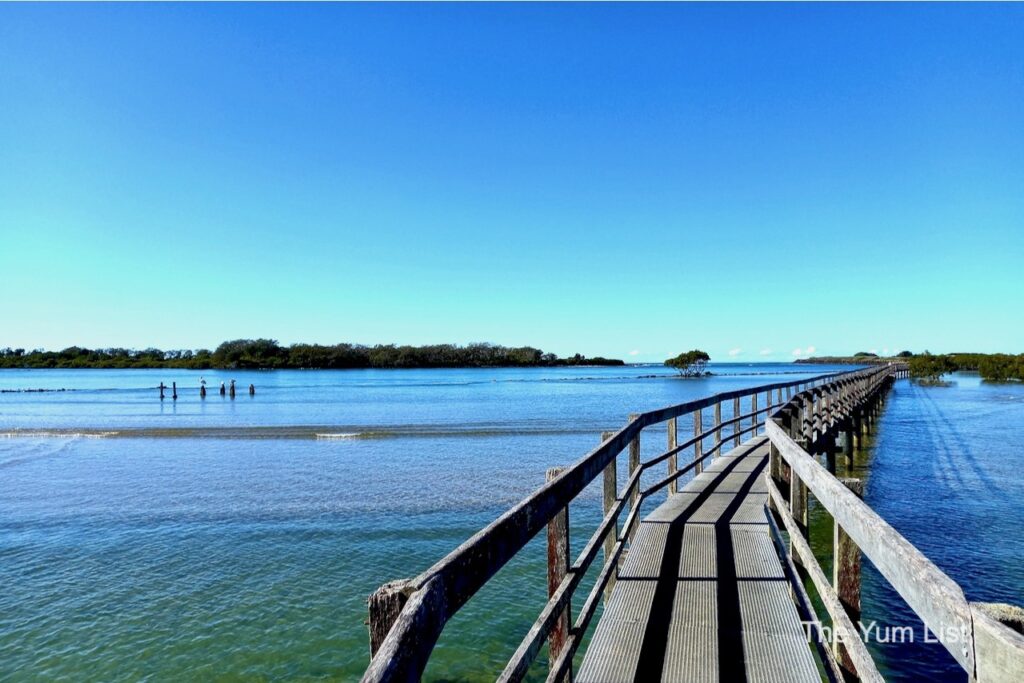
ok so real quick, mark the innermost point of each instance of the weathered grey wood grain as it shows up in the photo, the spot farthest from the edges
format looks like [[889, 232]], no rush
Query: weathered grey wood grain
[[936, 598], [558, 566], [611, 492], [846, 574]]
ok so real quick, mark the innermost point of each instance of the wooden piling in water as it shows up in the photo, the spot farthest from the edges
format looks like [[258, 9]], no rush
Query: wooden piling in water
[[162, 387], [558, 567], [174, 391], [384, 606]]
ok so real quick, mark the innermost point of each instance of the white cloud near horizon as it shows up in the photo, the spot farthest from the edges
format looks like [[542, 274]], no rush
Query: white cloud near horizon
[[810, 350], [735, 352], [765, 352], [635, 352]]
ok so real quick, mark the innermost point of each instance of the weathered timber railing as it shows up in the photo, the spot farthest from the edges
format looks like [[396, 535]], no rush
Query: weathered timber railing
[[407, 617], [807, 424]]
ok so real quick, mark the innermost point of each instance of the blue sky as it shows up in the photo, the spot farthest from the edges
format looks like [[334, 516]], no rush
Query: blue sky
[[631, 181]]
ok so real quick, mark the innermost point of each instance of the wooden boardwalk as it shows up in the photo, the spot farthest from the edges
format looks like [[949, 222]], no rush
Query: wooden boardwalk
[[702, 594], [706, 587]]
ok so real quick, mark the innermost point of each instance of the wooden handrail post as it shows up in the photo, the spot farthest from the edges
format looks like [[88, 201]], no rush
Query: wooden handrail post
[[736, 425], [798, 508], [634, 465], [611, 494], [558, 567], [774, 470], [846, 575], [673, 462], [753, 417], [718, 430], [698, 446], [384, 606]]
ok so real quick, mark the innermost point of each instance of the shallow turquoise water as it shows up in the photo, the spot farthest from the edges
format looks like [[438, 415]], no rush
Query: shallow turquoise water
[[220, 540]]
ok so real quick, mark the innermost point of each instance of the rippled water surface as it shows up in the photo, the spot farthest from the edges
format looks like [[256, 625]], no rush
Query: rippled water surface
[[240, 538]]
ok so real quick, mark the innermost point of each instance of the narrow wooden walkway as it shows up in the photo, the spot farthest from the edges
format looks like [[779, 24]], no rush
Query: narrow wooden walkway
[[697, 590], [702, 595]]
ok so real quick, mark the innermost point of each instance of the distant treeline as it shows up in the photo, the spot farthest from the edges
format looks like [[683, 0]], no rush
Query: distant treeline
[[267, 353], [859, 358], [997, 367]]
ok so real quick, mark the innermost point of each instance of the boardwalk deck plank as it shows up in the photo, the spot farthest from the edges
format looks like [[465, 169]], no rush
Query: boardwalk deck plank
[[718, 516]]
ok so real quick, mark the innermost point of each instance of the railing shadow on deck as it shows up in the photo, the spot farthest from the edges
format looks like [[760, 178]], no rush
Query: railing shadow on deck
[[407, 617]]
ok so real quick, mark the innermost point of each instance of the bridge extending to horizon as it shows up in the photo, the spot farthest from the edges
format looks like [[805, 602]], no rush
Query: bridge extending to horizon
[[712, 585]]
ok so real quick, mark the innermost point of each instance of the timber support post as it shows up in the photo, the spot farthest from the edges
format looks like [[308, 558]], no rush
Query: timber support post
[[753, 415], [634, 465], [798, 508], [558, 567], [846, 575], [736, 424], [718, 430], [673, 461], [384, 606], [611, 494], [698, 445]]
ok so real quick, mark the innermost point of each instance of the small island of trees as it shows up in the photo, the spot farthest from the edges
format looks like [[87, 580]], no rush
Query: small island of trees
[[268, 354], [690, 363]]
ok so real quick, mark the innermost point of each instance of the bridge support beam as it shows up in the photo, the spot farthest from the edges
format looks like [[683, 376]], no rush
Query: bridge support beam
[[848, 441]]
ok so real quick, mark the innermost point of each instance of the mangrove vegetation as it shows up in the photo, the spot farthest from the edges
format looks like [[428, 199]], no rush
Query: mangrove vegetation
[[268, 354], [690, 363]]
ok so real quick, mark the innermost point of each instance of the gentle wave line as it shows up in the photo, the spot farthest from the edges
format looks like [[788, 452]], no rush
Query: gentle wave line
[[313, 432]]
